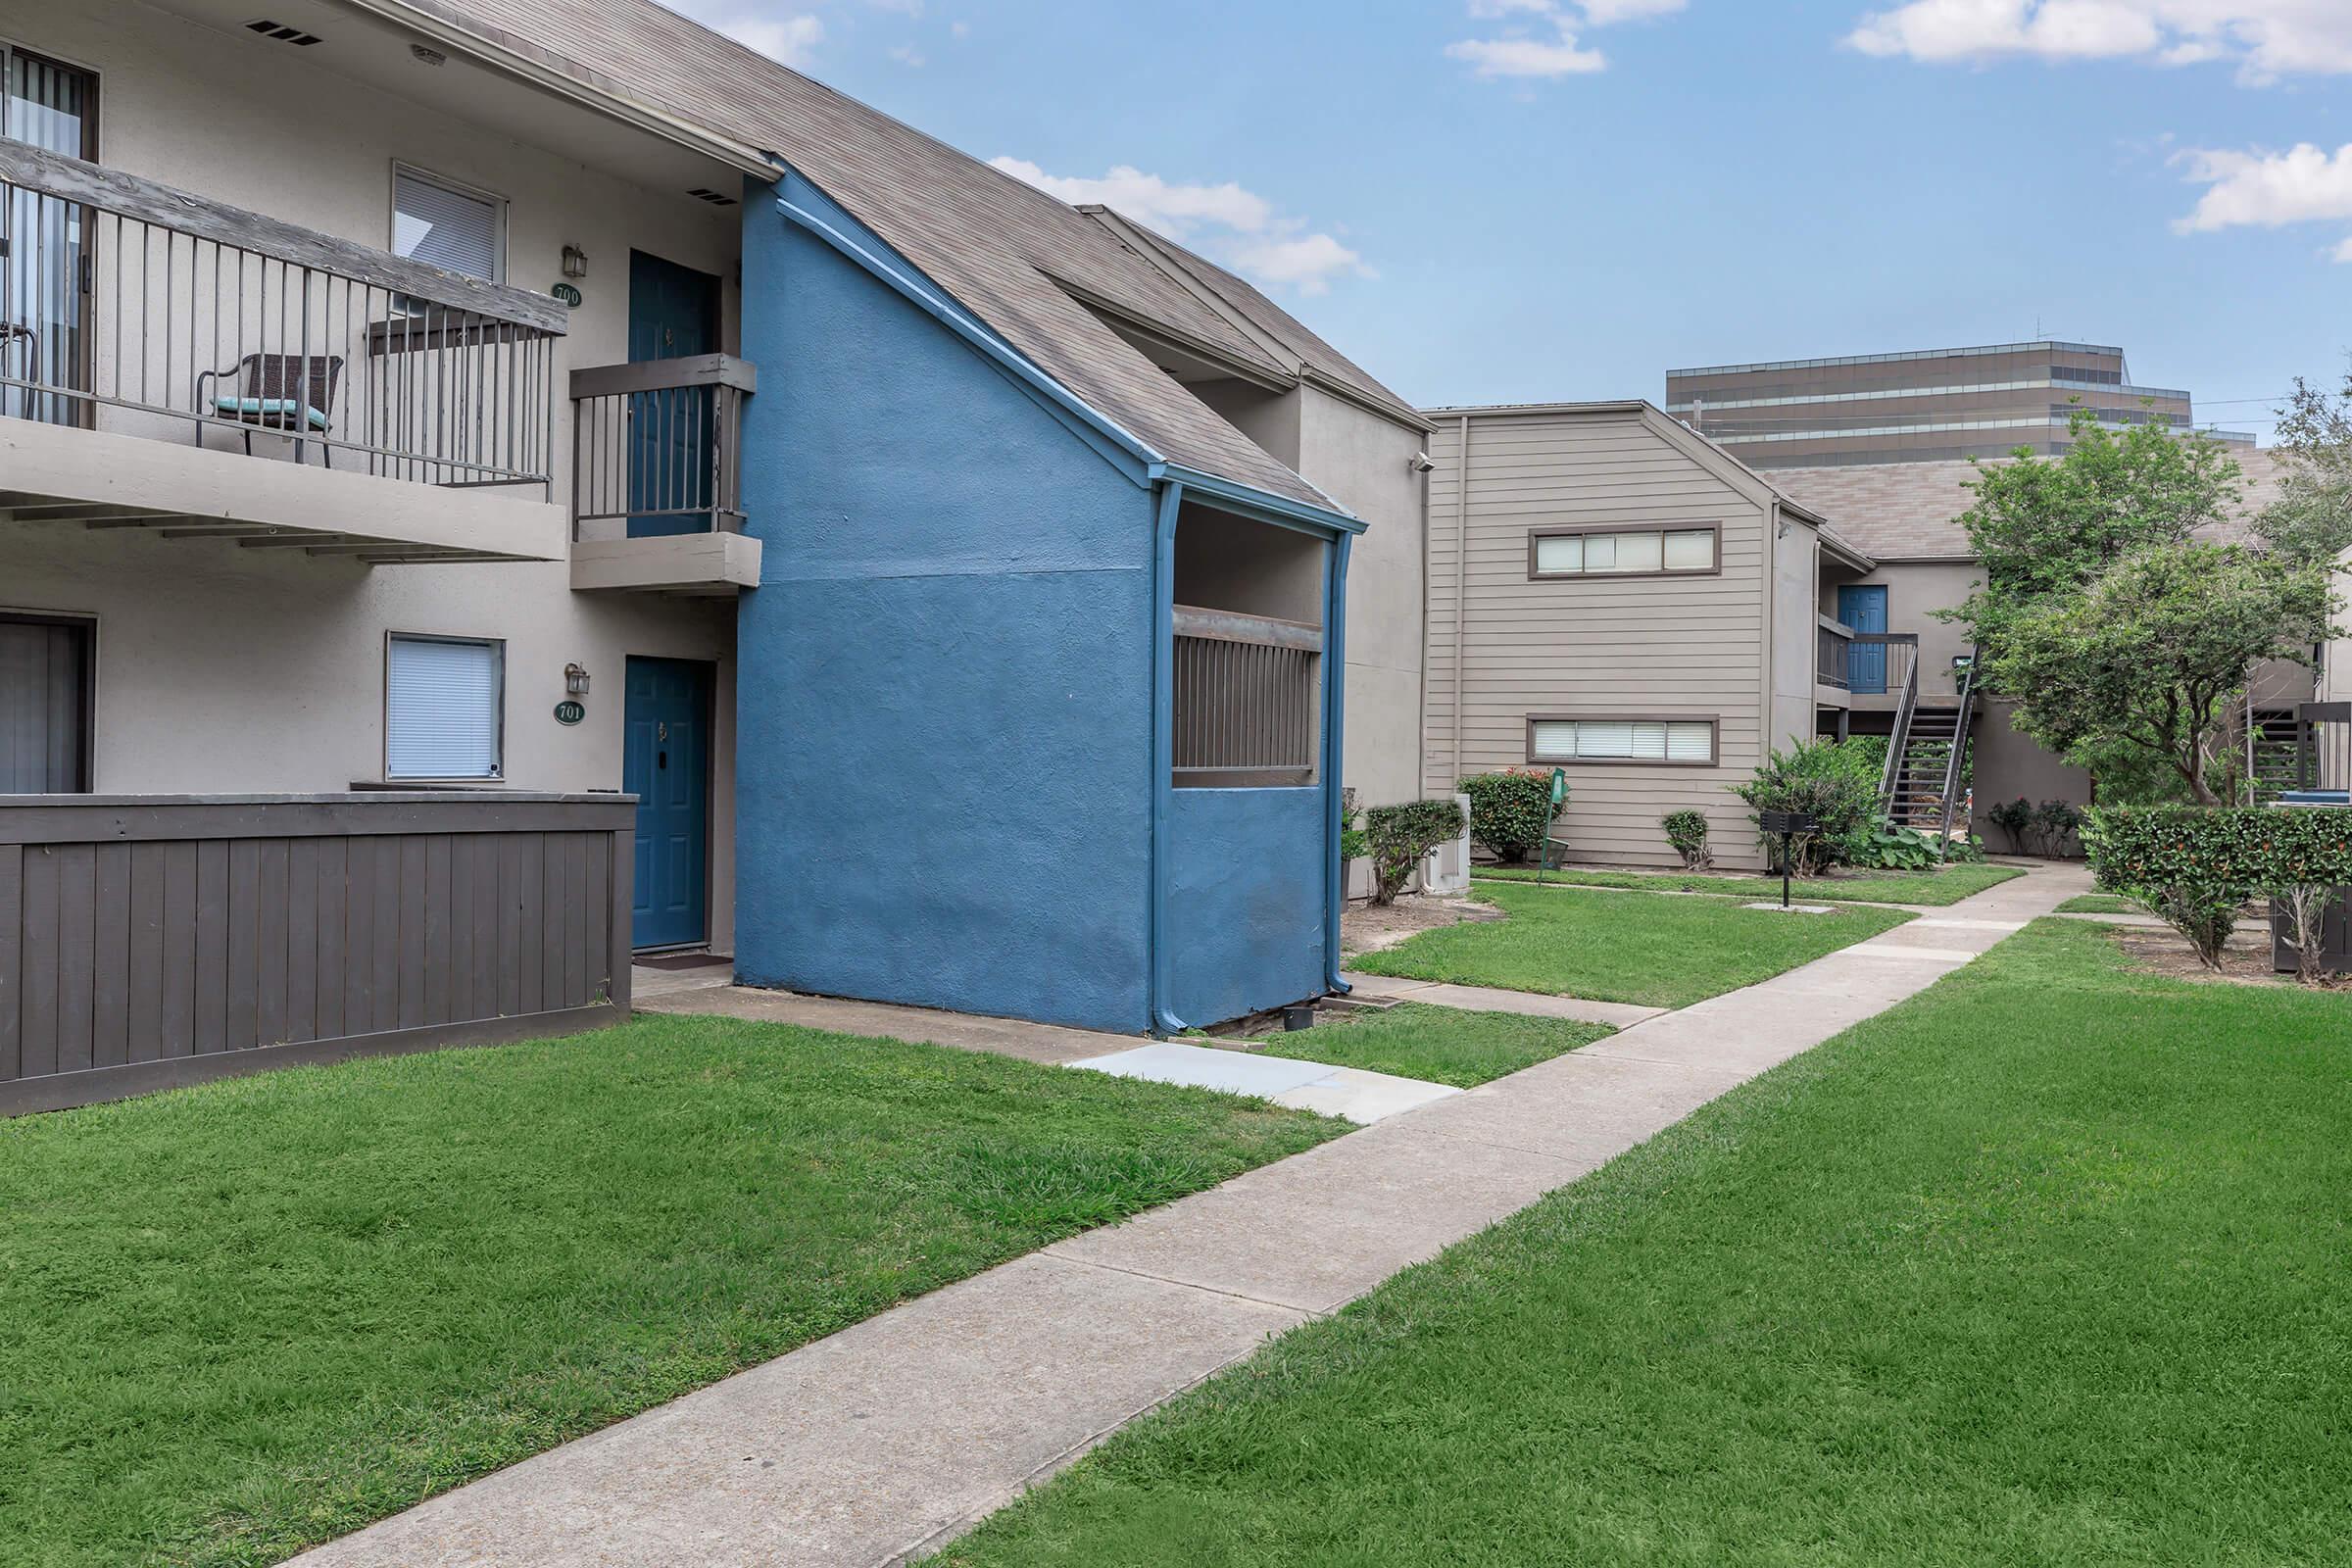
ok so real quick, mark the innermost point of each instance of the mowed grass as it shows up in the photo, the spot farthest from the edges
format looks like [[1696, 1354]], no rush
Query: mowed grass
[[1605, 947], [247, 1318], [2099, 904], [1947, 886], [1436, 1044], [2045, 1266]]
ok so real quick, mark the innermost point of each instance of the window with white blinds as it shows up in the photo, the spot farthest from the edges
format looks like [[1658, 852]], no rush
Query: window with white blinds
[[444, 708], [1621, 740], [457, 231], [1634, 550]]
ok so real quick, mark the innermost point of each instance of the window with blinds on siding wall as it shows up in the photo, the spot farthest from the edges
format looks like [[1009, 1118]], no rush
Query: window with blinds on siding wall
[[1621, 740], [447, 226], [1634, 550], [444, 708]]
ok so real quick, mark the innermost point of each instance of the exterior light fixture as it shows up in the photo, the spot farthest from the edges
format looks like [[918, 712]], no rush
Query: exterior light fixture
[[576, 261], [576, 680]]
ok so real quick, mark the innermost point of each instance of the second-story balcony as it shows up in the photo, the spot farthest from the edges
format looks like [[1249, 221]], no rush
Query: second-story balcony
[[656, 481], [169, 362]]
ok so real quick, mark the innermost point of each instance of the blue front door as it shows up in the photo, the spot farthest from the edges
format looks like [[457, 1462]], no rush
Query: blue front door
[[1864, 607], [674, 313], [666, 765]]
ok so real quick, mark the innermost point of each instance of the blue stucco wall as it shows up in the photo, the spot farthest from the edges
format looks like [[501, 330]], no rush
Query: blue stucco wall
[[943, 713], [1246, 906]]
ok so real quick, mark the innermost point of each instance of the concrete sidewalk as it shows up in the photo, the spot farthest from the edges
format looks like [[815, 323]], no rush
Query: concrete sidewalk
[[892, 1437]]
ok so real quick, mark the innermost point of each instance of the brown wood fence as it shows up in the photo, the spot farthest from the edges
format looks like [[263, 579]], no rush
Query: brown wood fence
[[148, 941]]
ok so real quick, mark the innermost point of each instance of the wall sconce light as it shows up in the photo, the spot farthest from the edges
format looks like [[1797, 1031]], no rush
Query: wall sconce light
[[576, 680], [576, 261]]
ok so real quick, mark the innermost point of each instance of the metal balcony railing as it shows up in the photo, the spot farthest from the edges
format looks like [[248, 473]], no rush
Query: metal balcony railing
[[131, 307], [1248, 699], [658, 447]]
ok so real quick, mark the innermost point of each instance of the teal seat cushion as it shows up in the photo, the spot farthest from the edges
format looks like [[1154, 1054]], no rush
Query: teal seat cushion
[[268, 409]]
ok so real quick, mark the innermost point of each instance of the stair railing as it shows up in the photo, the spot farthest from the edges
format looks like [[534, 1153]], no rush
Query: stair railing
[[1958, 754], [1901, 736]]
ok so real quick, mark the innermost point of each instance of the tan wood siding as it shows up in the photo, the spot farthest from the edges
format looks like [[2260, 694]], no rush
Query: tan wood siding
[[1663, 647]]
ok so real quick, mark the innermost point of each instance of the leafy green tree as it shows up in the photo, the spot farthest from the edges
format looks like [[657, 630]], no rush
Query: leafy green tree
[[2149, 655], [2049, 526], [2312, 518]]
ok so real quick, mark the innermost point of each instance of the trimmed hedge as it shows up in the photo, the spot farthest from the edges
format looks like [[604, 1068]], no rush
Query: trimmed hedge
[[1510, 812], [1402, 837], [2197, 867]]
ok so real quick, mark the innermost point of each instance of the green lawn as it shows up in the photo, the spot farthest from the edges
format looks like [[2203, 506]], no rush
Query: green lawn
[[1604, 947], [2045, 1266], [2099, 904], [1947, 886], [249, 1316], [1436, 1044]]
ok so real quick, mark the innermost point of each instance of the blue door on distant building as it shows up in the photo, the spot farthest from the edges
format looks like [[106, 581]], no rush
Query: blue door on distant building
[[674, 313], [666, 765], [1864, 607]]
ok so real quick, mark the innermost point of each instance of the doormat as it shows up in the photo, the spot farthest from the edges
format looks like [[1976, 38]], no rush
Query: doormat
[[684, 960]]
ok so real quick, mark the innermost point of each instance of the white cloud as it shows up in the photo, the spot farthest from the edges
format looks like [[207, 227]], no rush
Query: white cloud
[[1232, 226], [1538, 39], [908, 55], [2267, 38], [2305, 184]]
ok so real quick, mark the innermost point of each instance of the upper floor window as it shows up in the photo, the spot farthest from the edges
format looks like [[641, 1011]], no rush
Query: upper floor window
[[448, 226], [1622, 552], [1689, 741]]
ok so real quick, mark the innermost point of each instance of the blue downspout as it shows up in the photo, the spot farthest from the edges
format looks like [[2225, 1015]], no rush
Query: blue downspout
[[1335, 686], [1163, 743]]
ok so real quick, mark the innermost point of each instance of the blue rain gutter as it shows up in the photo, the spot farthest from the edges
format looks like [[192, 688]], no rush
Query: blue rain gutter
[[1335, 679], [1163, 744]]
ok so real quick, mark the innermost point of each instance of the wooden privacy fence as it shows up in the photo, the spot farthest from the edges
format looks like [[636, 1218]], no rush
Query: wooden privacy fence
[[152, 941]]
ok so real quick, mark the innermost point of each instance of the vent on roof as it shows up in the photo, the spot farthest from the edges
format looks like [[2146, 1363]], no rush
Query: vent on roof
[[710, 196], [282, 33]]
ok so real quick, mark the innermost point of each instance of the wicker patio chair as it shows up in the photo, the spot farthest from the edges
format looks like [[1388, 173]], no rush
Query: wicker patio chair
[[265, 398]]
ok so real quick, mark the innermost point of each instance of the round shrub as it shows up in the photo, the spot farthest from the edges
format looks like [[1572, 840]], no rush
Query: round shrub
[[1510, 812], [1687, 832]]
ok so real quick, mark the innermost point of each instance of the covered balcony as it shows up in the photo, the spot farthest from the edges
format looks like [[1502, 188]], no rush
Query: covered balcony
[[172, 362]]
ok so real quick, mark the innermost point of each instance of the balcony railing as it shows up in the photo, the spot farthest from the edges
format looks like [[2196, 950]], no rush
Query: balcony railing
[[1834, 642], [658, 447], [1248, 699], [132, 307]]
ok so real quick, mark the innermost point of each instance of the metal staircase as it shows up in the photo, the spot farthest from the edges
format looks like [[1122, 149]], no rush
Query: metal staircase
[[1926, 759]]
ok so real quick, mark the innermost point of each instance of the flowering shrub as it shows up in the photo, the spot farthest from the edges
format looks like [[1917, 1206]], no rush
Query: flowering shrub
[[2196, 868]]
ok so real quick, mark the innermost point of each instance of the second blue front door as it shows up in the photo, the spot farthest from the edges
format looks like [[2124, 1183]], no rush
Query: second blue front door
[[673, 313], [666, 765], [1863, 606]]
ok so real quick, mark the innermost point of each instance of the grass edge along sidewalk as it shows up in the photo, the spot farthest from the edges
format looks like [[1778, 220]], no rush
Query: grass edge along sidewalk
[[2036, 1266], [1603, 947], [1925, 888], [274, 1308]]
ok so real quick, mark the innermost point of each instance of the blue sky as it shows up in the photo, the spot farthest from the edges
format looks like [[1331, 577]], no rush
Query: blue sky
[[1516, 200]]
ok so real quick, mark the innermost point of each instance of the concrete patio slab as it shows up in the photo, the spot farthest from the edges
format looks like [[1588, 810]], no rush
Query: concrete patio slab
[[1361, 1097], [1491, 999], [1236, 1073]]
